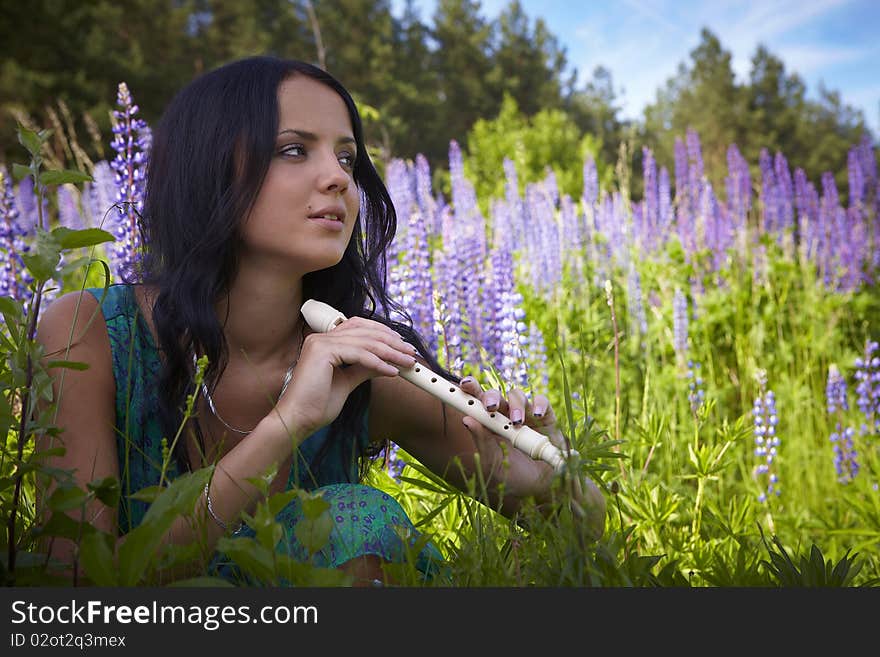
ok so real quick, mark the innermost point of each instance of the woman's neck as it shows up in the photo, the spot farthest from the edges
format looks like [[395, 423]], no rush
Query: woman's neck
[[260, 315]]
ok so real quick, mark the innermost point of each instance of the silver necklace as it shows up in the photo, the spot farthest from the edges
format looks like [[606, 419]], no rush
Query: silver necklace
[[288, 375]]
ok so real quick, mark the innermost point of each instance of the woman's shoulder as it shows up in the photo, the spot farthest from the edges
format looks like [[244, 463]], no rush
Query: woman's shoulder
[[79, 310], [72, 328]]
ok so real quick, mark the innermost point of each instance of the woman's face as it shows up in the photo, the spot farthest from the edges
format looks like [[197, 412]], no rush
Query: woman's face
[[305, 211]]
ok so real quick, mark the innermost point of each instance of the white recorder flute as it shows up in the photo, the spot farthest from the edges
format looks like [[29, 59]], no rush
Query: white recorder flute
[[322, 318]]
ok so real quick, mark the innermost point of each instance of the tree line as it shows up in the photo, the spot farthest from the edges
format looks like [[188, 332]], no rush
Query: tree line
[[423, 81]]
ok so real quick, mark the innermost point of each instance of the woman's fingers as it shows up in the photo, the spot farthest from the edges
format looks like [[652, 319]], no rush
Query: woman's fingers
[[536, 413], [519, 406], [362, 334]]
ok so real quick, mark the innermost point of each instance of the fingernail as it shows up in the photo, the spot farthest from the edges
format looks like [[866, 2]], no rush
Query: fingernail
[[491, 403], [466, 380], [539, 412], [516, 416]]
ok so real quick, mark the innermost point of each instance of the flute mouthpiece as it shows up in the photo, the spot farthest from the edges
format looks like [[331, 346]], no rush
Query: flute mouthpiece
[[320, 316]]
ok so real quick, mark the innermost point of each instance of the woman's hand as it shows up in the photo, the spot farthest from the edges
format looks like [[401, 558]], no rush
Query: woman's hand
[[522, 475], [332, 364]]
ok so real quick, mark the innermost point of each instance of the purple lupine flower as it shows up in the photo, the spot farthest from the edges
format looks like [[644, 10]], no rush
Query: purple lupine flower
[[680, 324], [768, 194], [590, 195], [26, 205], [718, 237], [765, 419], [448, 316], [621, 229], [689, 186], [785, 193], [695, 162], [409, 260], [639, 225], [471, 253], [680, 171], [664, 206], [855, 177], [464, 199], [573, 234], [501, 219], [14, 278], [806, 201], [68, 213], [424, 196], [132, 139], [684, 211], [590, 208], [833, 221], [696, 392], [537, 354], [739, 189], [868, 388], [835, 391], [542, 240], [864, 203], [845, 455], [494, 298], [651, 213], [468, 243], [505, 321], [871, 186], [551, 187], [398, 184], [399, 181], [394, 463], [99, 196], [508, 224], [635, 303]]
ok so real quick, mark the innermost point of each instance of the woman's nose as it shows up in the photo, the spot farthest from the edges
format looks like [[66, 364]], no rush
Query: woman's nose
[[333, 178]]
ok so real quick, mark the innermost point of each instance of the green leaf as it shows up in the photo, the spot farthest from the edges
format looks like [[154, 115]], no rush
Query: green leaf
[[64, 499], [280, 500], [107, 490], [138, 550], [30, 140], [96, 556], [74, 239], [13, 314], [147, 494], [67, 365], [20, 171], [61, 524], [62, 176], [313, 531], [251, 557], [69, 267], [42, 261], [180, 497], [298, 573]]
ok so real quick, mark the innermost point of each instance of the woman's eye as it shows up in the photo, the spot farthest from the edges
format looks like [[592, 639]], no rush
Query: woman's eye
[[292, 150], [347, 160]]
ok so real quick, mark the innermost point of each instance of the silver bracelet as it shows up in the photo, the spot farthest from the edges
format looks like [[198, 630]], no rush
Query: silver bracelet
[[220, 523]]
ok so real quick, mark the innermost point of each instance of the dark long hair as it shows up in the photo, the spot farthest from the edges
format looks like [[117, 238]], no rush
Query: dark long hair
[[210, 154]]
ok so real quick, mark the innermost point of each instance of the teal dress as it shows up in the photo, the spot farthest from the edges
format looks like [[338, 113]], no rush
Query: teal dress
[[366, 521]]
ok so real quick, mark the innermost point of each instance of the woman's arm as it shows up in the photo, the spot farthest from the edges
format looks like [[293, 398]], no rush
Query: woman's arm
[[415, 420], [86, 414], [86, 406]]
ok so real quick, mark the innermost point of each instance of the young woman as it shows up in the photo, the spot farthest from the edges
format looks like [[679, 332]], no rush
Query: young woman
[[260, 195]]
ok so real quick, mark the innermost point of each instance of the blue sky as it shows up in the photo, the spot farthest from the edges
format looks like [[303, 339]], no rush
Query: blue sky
[[834, 42]]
